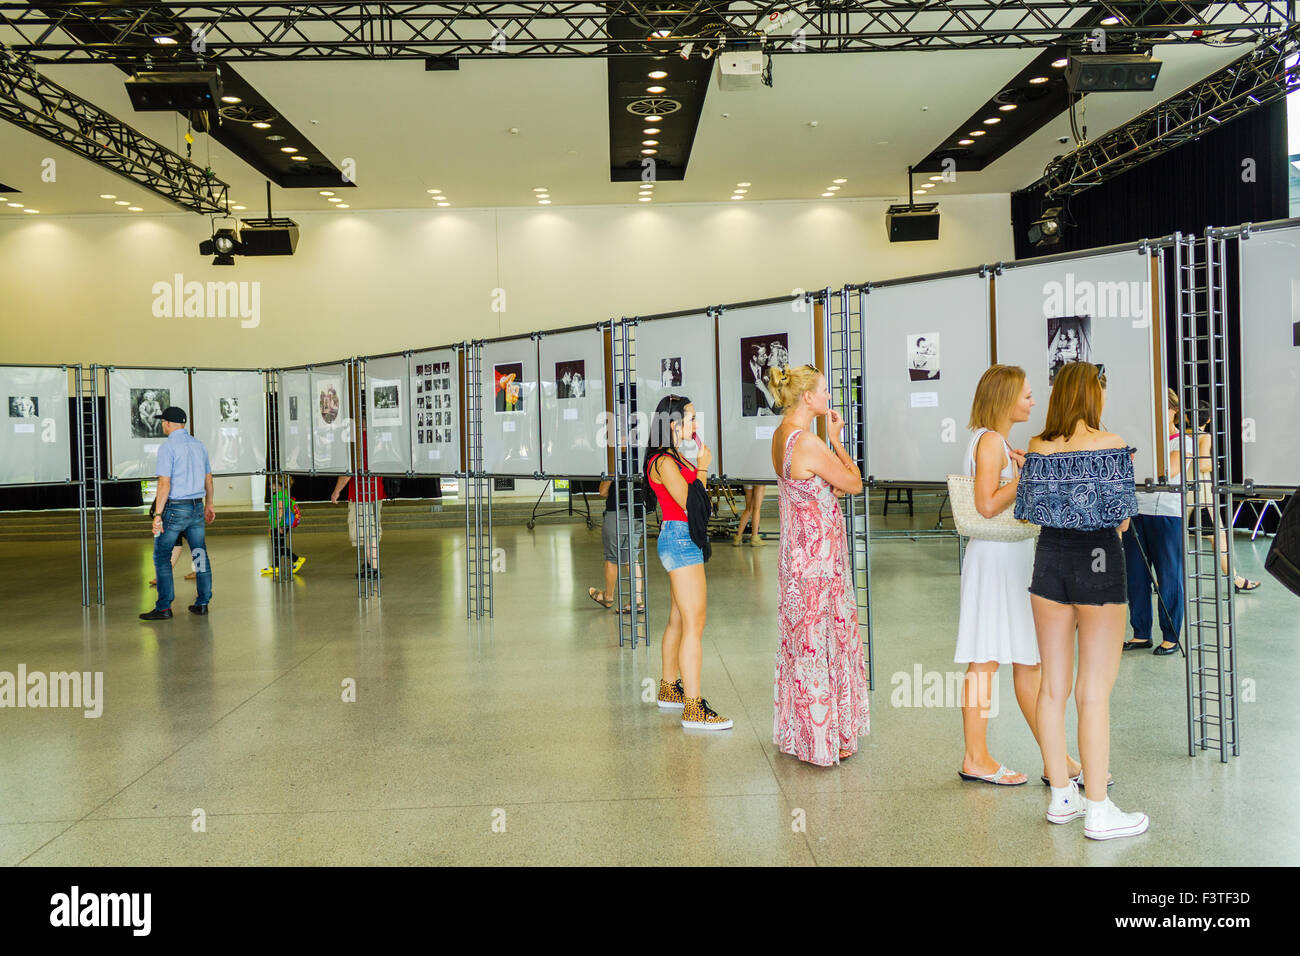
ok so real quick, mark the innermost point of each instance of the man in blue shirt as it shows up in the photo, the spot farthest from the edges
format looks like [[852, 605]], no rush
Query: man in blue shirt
[[183, 505]]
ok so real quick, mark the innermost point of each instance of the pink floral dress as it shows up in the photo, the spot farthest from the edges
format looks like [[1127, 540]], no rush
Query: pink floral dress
[[821, 682]]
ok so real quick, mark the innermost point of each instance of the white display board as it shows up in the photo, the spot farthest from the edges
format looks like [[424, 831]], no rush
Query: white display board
[[295, 420], [509, 399], [927, 345], [229, 417], [135, 396], [1270, 356], [331, 422], [1095, 309], [749, 340], [574, 423], [677, 356], [435, 375], [35, 437], [390, 415]]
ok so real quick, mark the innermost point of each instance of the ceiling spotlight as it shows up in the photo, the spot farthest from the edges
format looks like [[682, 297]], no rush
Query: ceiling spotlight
[[335, 199], [647, 185], [330, 192], [1007, 107], [935, 179], [121, 202], [274, 138], [649, 142], [650, 131], [1046, 231], [839, 181], [977, 132], [15, 205], [135, 209], [1060, 64], [543, 195], [540, 189], [299, 159], [342, 205], [992, 120], [965, 142], [740, 191], [444, 204], [918, 192], [744, 184], [239, 208], [832, 189], [645, 199], [231, 99], [224, 245], [648, 152], [107, 196], [657, 74], [431, 192], [165, 41], [31, 210], [828, 195], [261, 125], [1037, 79], [1110, 21], [656, 89], [543, 202], [652, 119], [287, 149]]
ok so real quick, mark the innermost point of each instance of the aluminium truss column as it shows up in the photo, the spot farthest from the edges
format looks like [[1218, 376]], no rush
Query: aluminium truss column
[[478, 503], [1209, 622], [629, 514], [78, 389], [275, 516], [846, 381], [90, 474]]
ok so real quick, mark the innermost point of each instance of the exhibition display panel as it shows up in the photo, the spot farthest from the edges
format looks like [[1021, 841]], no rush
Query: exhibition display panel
[[293, 413], [677, 355], [390, 414], [508, 398], [229, 417], [438, 411], [330, 411], [36, 438], [574, 404], [136, 396]]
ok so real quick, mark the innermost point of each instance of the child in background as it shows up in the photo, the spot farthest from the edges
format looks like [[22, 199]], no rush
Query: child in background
[[284, 510]]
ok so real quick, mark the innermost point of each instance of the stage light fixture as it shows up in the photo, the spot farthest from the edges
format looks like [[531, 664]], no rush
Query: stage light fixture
[[1046, 230]]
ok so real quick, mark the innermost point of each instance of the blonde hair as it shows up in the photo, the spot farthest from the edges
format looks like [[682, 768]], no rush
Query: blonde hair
[[998, 389], [1076, 396], [789, 384]]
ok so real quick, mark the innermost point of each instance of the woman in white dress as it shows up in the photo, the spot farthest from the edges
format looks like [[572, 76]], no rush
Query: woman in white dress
[[997, 623]]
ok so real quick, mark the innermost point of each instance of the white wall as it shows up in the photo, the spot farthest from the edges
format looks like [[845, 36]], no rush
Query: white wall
[[81, 288]]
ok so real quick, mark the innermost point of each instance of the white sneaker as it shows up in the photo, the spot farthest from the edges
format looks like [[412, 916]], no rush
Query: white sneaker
[[1066, 807], [1105, 821]]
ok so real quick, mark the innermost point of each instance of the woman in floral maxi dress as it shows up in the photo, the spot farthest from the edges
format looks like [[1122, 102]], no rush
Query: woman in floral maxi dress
[[820, 693]]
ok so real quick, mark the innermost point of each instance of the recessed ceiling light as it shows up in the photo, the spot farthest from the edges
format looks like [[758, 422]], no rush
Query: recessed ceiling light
[[740, 191], [648, 152], [918, 192], [927, 185], [652, 119], [992, 120], [977, 132], [299, 159], [1007, 107], [833, 189], [650, 131], [540, 189], [335, 199], [261, 125], [342, 205], [444, 204], [1037, 79], [744, 184], [107, 196], [935, 179], [645, 199], [647, 185], [543, 202], [965, 142], [656, 89], [288, 149], [649, 142], [1060, 64], [230, 99], [543, 195], [121, 202], [657, 74], [330, 192], [838, 181], [138, 209], [239, 208], [16, 205], [165, 41], [31, 210], [828, 195], [434, 192], [274, 138]]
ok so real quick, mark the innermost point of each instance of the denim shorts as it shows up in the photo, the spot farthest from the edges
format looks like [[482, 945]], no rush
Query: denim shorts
[[676, 549], [1080, 567]]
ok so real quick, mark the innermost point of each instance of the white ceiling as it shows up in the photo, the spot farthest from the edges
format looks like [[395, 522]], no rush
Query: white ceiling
[[409, 130]]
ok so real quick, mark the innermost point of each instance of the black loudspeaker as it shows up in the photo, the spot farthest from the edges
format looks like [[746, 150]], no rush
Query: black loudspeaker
[[1111, 73], [268, 237], [194, 90], [913, 223]]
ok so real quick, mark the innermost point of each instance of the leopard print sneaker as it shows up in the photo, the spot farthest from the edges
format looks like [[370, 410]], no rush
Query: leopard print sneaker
[[671, 696], [698, 715]]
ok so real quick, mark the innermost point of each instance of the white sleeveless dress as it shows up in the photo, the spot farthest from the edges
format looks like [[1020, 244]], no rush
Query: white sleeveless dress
[[997, 623]]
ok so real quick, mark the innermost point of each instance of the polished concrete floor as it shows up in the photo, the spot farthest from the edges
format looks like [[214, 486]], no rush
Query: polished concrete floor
[[226, 739]]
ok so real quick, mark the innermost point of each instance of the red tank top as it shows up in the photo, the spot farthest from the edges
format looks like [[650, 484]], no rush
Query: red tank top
[[672, 511]]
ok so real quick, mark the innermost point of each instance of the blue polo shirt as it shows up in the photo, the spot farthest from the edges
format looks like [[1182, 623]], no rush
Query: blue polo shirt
[[184, 460]]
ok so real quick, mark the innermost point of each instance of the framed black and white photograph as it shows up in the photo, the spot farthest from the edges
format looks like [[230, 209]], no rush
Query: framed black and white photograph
[[670, 372], [759, 354], [293, 408], [228, 410], [923, 357], [388, 402], [571, 379], [1069, 339], [24, 406], [328, 401], [146, 405]]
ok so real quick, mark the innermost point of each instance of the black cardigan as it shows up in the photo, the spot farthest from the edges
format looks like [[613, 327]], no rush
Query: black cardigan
[[698, 511]]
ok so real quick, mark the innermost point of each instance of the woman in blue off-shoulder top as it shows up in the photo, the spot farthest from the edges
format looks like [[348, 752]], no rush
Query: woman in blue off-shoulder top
[[1077, 483]]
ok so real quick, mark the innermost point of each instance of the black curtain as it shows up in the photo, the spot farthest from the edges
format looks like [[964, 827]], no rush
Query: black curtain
[[1235, 174]]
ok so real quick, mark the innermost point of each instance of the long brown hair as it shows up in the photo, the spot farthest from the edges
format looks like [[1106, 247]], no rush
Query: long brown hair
[[1076, 396], [995, 395]]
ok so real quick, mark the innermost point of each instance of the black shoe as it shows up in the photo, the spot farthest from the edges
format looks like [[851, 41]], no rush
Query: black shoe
[[1137, 645], [156, 615], [373, 574], [1164, 651], [198, 609]]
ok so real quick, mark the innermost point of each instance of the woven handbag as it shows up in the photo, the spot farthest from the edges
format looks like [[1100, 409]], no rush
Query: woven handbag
[[1004, 526]]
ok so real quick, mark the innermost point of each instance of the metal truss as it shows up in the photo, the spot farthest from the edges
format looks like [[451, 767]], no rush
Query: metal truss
[[237, 30], [32, 102], [1268, 72]]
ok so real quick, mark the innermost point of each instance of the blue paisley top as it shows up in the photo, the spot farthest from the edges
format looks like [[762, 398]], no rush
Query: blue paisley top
[[1077, 490]]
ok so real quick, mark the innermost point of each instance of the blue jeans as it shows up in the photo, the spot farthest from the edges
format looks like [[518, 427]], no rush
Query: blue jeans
[[1161, 538], [181, 519]]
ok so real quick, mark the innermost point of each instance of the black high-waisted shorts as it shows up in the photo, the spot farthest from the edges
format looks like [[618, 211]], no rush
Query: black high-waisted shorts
[[1080, 567]]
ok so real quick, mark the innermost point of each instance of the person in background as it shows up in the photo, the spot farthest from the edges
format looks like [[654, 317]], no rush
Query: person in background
[[751, 515], [371, 489], [820, 705], [617, 551], [1077, 484], [1153, 547], [183, 506], [282, 510], [1205, 472], [670, 478]]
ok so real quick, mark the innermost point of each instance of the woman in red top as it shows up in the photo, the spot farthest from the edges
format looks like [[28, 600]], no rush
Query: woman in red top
[[670, 477]]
